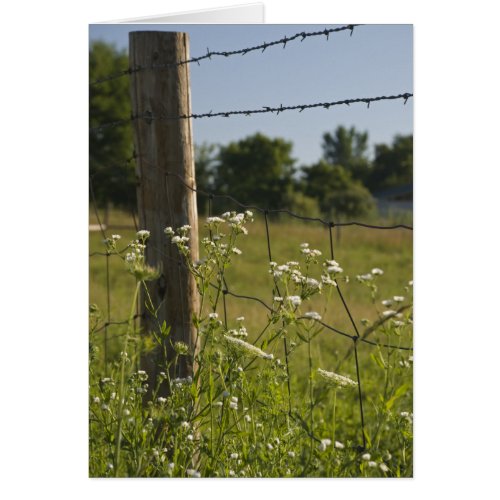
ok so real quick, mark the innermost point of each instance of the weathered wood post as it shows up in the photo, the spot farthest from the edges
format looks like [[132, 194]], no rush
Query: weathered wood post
[[164, 146]]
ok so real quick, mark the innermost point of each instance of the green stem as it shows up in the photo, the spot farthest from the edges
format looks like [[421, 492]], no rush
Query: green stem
[[334, 420], [311, 422], [122, 380]]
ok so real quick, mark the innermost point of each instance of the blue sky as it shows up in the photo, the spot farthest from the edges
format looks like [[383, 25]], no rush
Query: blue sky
[[376, 60]]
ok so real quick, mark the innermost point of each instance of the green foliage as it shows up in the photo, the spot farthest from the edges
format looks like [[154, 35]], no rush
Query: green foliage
[[393, 165], [243, 413], [205, 160], [256, 170], [337, 192], [113, 179], [302, 204], [348, 147]]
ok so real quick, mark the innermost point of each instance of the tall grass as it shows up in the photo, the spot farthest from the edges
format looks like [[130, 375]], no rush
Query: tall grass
[[269, 413]]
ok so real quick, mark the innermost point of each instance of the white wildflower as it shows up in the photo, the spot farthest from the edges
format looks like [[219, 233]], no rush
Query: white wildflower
[[233, 405], [278, 299], [327, 280], [365, 277], [338, 381], [377, 272], [247, 348], [339, 445], [371, 463], [295, 300], [384, 467], [388, 313], [234, 456], [387, 303], [143, 234], [270, 446], [247, 418], [313, 283], [291, 454], [324, 444], [213, 315], [398, 298], [215, 220], [366, 457], [168, 231], [193, 473], [312, 315], [130, 257], [304, 245], [334, 269], [236, 251]]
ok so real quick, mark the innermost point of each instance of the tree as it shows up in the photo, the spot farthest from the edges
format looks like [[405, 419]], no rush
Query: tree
[[205, 160], [393, 165], [348, 147], [256, 170], [112, 172], [338, 194]]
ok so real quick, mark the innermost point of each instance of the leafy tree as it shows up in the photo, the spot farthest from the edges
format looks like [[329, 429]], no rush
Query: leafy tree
[[113, 177], [256, 170], [338, 194], [348, 147], [393, 165], [205, 160]]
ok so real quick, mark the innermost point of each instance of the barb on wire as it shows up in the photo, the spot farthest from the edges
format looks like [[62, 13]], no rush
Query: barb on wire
[[209, 54], [264, 109]]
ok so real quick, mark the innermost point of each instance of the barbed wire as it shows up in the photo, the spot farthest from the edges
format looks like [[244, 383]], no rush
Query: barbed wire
[[265, 109], [282, 41]]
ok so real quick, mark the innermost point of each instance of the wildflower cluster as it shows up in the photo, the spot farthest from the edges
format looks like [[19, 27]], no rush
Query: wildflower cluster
[[299, 285], [252, 402], [335, 380], [135, 258]]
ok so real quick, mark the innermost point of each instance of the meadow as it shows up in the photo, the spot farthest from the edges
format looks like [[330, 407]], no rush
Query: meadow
[[309, 422]]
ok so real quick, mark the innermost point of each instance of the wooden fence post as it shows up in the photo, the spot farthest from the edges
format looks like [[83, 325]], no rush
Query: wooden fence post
[[165, 146]]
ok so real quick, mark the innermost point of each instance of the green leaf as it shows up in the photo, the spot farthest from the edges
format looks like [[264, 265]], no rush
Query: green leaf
[[400, 391], [379, 360]]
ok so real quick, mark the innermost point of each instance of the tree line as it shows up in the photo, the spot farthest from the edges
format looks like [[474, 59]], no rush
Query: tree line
[[256, 170]]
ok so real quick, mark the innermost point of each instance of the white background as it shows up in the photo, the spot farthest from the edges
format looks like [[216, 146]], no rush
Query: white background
[[44, 205]]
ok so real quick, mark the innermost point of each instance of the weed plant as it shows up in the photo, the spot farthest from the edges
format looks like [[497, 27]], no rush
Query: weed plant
[[264, 407]]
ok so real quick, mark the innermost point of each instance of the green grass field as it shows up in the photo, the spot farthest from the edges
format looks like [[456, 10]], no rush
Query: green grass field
[[358, 250]]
